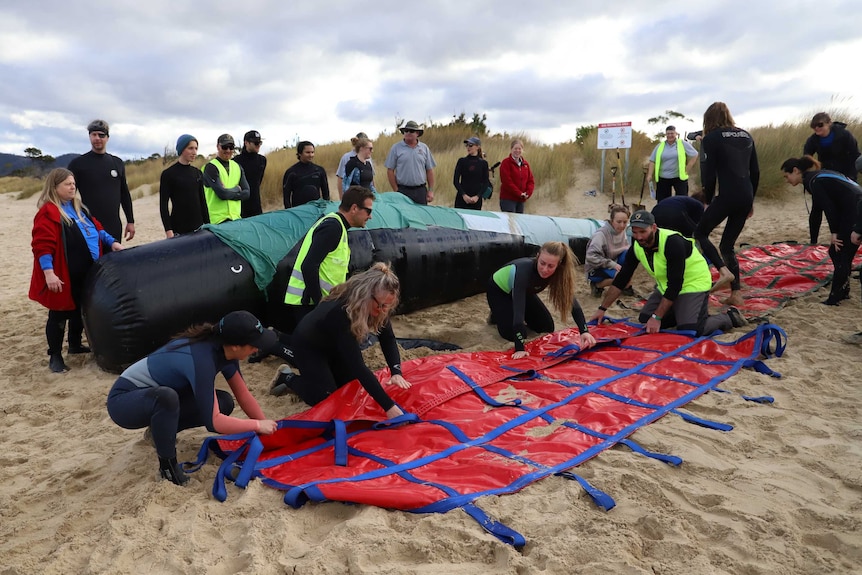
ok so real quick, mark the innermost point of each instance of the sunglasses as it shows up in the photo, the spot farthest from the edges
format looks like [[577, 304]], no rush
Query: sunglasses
[[227, 146], [819, 125], [101, 135], [380, 306], [369, 210], [409, 131]]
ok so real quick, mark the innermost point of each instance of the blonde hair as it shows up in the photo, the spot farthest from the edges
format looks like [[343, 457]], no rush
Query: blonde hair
[[561, 285], [49, 193], [359, 292]]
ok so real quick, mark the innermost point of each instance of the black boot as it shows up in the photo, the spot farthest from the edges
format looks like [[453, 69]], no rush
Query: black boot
[[80, 348], [173, 471], [57, 364]]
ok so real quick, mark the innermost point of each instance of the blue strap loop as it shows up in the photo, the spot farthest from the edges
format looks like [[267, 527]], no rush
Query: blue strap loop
[[702, 422], [495, 528], [604, 501], [339, 444], [483, 395], [760, 399], [637, 448], [396, 421]]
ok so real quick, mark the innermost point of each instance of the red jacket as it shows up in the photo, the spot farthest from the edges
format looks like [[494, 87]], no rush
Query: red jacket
[[515, 180], [48, 239]]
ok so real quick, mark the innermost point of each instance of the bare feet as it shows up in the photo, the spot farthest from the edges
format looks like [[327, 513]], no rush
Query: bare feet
[[724, 278], [734, 299]]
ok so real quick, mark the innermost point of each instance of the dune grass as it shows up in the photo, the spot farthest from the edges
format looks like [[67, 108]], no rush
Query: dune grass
[[554, 166]]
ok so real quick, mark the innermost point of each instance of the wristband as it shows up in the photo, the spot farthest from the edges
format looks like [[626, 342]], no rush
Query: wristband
[[654, 316], [603, 308]]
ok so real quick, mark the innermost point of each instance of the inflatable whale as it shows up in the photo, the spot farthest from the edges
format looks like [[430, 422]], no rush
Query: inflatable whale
[[136, 299]]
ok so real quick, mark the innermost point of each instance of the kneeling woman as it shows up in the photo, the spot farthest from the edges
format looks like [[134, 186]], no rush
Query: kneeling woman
[[837, 196], [326, 343], [173, 388], [515, 305]]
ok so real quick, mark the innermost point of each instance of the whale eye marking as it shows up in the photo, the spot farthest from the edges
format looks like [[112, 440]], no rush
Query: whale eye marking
[[235, 269]]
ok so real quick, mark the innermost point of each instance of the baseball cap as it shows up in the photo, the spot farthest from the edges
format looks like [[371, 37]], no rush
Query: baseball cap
[[242, 328], [474, 140], [98, 126], [252, 136], [641, 219], [226, 139]]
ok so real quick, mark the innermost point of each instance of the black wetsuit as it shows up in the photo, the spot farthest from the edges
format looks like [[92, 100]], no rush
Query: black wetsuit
[[836, 196], [303, 183], [328, 356], [678, 213], [837, 151], [519, 308], [471, 178], [729, 159], [101, 181], [182, 186], [254, 166]]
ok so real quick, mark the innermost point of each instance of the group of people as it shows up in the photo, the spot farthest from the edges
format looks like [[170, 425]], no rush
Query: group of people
[[326, 317]]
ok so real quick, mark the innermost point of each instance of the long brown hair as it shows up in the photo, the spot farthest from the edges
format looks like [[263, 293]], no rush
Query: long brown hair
[[561, 285], [358, 293], [49, 193], [717, 116]]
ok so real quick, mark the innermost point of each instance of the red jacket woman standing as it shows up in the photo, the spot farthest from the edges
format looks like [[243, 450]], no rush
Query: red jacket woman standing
[[516, 180], [65, 243]]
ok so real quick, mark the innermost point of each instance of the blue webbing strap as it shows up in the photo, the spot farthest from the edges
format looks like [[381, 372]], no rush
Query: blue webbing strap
[[760, 367], [340, 442], [637, 448], [495, 528], [772, 336], [702, 422], [481, 392], [211, 444], [761, 399], [604, 501], [219, 487], [246, 472], [396, 421]]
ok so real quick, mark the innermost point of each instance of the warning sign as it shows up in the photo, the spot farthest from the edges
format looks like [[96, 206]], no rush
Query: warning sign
[[615, 135]]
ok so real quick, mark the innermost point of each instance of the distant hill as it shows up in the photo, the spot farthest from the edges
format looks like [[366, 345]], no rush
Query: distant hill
[[9, 163]]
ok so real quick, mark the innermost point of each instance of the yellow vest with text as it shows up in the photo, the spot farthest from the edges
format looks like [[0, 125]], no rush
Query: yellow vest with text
[[219, 209], [696, 277], [680, 157], [333, 269]]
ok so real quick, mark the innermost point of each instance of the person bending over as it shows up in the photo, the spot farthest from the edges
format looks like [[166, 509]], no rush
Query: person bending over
[[515, 306], [173, 388], [327, 341]]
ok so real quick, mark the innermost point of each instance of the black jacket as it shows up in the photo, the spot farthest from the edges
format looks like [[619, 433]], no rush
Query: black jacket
[[840, 156]]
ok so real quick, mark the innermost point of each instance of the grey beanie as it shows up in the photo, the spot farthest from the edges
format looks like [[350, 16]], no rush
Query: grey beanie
[[183, 142]]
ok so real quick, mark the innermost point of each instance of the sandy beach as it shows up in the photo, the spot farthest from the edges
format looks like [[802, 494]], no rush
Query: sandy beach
[[780, 494]]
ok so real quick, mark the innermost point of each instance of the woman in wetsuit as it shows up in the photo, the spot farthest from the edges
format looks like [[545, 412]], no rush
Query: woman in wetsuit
[[728, 160], [515, 305], [173, 388], [837, 196], [326, 343]]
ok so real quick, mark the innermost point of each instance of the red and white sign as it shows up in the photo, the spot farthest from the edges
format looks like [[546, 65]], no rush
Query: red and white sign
[[615, 135]]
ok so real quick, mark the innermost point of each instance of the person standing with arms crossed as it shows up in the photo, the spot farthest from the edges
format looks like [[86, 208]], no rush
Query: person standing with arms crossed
[[225, 185], [101, 181], [516, 180]]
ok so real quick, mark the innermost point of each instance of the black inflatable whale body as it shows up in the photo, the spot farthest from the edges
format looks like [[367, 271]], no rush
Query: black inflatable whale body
[[136, 299]]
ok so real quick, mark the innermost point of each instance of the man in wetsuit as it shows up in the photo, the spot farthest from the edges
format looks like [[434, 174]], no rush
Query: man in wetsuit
[[225, 185], [681, 296], [680, 213], [101, 180], [253, 164], [304, 181]]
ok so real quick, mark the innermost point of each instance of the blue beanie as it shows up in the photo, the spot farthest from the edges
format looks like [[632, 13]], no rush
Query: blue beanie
[[183, 141]]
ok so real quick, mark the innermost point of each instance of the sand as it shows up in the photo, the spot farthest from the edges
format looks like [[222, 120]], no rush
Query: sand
[[781, 493]]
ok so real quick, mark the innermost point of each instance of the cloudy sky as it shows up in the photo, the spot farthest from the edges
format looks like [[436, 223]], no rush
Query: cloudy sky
[[324, 69]]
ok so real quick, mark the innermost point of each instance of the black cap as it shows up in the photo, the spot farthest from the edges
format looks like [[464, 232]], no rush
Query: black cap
[[242, 328], [252, 136], [642, 219]]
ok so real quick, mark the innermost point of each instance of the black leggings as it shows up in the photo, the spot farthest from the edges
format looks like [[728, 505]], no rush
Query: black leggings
[[321, 374], [842, 260], [164, 410], [55, 328], [736, 212], [536, 315]]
